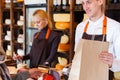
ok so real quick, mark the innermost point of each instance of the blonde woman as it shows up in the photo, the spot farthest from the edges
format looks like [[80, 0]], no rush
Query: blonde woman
[[45, 43]]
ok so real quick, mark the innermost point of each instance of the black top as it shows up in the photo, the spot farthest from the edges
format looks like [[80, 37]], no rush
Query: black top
[[43, 50]]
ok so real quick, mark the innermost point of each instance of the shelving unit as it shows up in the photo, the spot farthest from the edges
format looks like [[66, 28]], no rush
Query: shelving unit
[[112, 6], [76, 10], [13, 13], [71, 31], [113, 10]]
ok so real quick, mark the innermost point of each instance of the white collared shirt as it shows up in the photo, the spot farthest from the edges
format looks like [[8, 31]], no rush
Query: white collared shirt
[[113, 37]]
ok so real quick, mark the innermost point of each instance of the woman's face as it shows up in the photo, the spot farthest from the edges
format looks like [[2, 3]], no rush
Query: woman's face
[[39, 22], [92, 7]]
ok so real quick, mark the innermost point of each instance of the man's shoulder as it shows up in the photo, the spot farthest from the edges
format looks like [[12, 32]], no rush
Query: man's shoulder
[[81, 24], [55, 34], [113, 21], [113, 24]]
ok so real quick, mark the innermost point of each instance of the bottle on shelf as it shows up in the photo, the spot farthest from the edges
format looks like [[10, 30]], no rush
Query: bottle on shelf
[[55, 4], [59, 7], [114, 1], [64, 5], [69, 2], [77, 4]]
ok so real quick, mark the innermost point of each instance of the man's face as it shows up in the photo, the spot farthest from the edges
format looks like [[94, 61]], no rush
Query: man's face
[[92, 7]]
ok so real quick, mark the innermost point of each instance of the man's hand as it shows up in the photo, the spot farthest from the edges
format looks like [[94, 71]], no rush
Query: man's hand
[[106, 57]]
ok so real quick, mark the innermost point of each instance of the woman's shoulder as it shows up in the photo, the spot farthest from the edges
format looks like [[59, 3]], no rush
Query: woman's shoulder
[[55, 33]]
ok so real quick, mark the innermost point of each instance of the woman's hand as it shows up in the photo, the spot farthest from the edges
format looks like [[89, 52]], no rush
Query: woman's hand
[[22, 70], [106, 57], [17, 57], [35, 73]]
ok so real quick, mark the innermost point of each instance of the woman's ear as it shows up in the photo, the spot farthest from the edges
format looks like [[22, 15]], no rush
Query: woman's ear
[[46, 21]]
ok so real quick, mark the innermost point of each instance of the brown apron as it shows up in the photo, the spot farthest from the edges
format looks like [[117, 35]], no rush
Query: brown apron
[[39, 51], [99, 38]]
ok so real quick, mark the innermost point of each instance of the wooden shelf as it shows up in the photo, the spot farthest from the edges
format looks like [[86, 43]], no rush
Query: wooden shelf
[[36, 5], [59, 9], [112, 6], [6, 9], [13, 13], [69, 9]]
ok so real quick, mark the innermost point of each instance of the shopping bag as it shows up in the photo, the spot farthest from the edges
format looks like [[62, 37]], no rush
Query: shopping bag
[[86, 64]]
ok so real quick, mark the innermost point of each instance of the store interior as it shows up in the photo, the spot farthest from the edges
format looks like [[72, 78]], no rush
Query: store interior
[[17, 29]]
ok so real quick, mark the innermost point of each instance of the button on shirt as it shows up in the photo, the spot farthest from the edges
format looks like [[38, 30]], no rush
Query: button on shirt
[[113, 37]]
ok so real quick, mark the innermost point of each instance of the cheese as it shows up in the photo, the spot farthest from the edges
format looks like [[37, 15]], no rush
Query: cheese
[[9, 33], [117, 75], [63, 47], [9, 47], [64, 39], [12, 69], [7, 37], [22, 18], [7, 21], [62, 25], [20, 38], [8, 53], [62, 61], [85, 17], [20, 1], [59, 67], [20, 23], [61, 17]]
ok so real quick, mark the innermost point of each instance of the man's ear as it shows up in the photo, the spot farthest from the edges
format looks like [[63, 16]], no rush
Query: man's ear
[[101, 2]]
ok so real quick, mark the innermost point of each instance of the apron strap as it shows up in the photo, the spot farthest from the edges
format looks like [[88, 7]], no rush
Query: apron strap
[[46, 36], [103, 29], [104, 25], [48, 33], [85, 29], [36, 35]]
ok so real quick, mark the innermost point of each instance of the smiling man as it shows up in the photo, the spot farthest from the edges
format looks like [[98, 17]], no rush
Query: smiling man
[[99, 27]]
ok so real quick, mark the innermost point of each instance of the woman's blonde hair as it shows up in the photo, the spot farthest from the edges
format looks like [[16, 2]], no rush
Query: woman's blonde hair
[[43, 14]]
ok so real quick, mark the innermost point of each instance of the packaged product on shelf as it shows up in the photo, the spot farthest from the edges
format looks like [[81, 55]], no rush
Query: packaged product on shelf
[[64, 39], [7, 21], [62, 25], [20, 23], [61, 17], [20, 38], [20, 52]]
